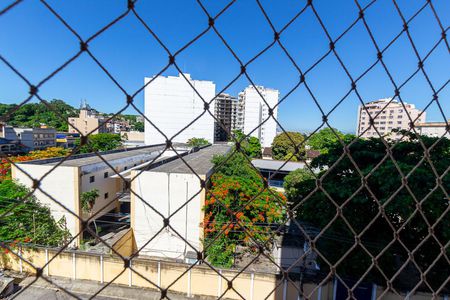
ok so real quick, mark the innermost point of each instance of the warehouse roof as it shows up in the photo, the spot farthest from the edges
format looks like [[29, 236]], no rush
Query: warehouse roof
[[275, 165], [199, 162], [92, 158]]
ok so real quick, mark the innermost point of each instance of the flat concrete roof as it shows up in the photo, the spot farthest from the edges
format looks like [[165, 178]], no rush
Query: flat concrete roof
[[199, 161], [274, 165], [80, 160], [431, 124]]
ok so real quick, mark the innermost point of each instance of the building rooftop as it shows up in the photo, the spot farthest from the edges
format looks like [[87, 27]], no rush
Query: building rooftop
[[91, 158], [199, 162], [431, 124], [274, 165]]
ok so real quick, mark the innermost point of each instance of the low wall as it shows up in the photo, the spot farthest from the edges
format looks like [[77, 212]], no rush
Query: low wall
[[200, 280]]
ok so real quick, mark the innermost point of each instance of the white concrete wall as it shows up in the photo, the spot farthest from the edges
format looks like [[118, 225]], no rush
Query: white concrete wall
[[103, 185], [433, 131], [171, 104], [112, 186], [256, 111], [166, 193], [60, 184]]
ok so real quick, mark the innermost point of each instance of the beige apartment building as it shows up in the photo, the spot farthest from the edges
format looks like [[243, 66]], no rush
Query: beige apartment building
[[388, 115], [87, 122]]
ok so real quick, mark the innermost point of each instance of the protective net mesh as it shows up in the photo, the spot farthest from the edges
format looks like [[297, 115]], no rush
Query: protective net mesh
[[380, 205]]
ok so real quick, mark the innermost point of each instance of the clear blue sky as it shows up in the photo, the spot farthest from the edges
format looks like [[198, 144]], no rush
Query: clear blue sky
[[36, 43]]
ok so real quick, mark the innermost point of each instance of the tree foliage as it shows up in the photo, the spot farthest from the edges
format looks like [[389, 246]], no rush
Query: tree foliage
[[285, 144], [384, 204], [138, 126], [5, 165], [197, 142], [251, 146], [326, 138], [229, 206], [29, 221], [293, 187], [88, 200], [100, 142], [35, 114]]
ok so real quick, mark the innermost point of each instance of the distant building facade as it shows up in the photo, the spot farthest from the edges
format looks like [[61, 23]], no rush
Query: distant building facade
[[388, 115], [171, 104], [229, 111], [87, 122], [256, 112], [31, 138], [433, 129], [7, 132], [34, 138]]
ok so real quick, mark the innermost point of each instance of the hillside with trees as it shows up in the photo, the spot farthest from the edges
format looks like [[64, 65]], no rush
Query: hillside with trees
[[35, 114]]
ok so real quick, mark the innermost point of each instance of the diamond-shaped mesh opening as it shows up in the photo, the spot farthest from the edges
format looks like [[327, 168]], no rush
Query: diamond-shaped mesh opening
[[332, 216]]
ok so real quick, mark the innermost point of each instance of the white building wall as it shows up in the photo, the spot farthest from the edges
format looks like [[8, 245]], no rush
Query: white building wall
[[433, 131], [256, 111], [166, 193], [61, 184], [171, 104]]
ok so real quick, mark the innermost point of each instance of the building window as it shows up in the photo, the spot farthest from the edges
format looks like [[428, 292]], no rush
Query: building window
[[105, 175], [92, 179], [106, 195]]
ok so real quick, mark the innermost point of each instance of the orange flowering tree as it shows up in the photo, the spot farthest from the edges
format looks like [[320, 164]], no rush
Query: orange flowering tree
[[239, 211], [5, 165]]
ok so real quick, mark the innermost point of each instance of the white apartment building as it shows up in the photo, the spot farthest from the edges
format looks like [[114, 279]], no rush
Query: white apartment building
[[171, 104], [256, 111], [387, 116], [433, 129], [172, 191], [82, 173]]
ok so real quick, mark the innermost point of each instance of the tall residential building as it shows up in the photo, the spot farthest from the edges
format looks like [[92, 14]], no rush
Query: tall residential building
[[256, 112], [88, 121], [230, 112], [392, 116], [171, 104]]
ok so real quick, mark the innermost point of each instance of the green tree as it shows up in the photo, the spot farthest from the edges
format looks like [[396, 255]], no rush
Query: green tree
[[284, 145], [138, 126], [250, 145], [293, 187], [237, 197], [28, 220], [88, 200], [360, 206], [236, 165], [326, 138], [197, 142], [100, 142]]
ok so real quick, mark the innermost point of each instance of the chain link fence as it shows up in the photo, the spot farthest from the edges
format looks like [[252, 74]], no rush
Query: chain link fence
[[337, 245]]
